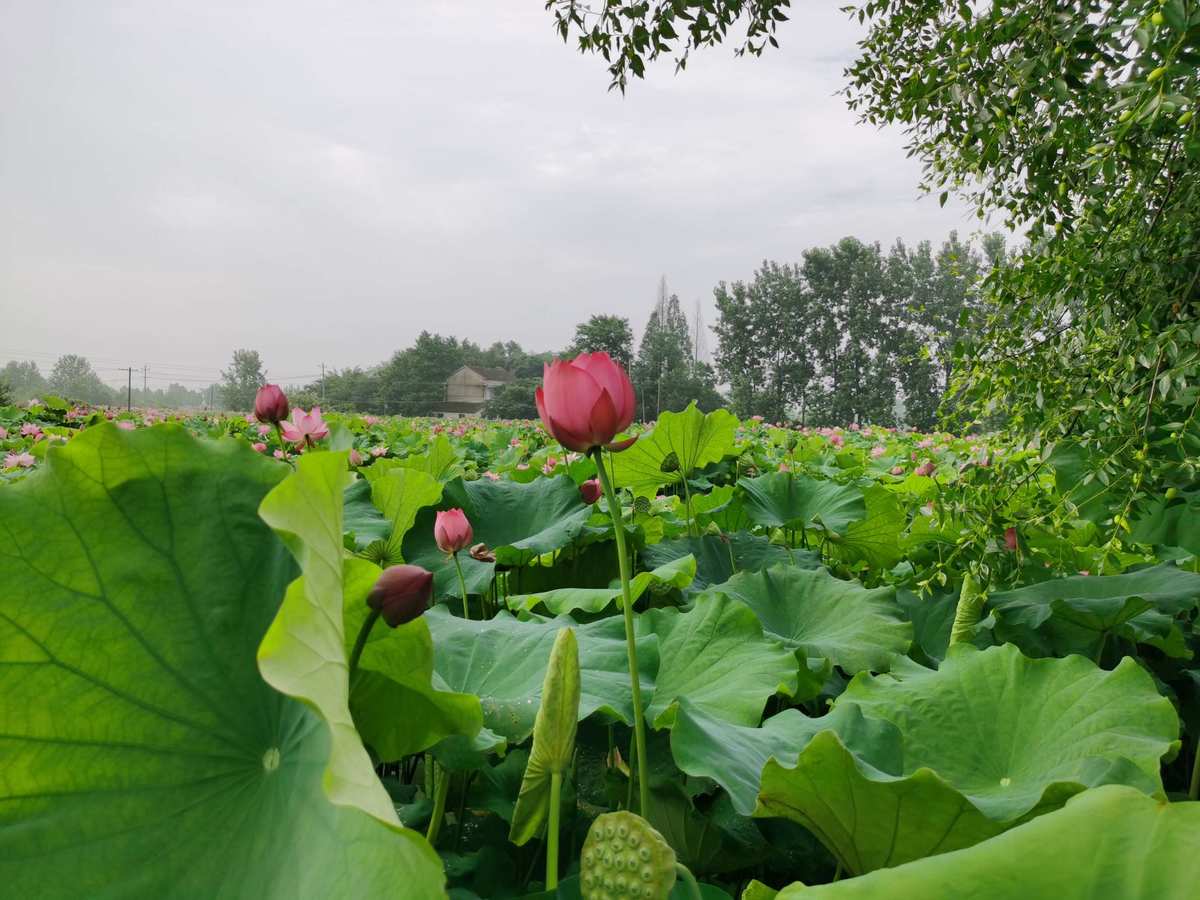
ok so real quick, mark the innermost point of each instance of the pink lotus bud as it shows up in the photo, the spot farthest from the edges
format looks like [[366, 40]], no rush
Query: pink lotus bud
[[356, 458], [259, 446], [401, 593], [1010, 539], [271, 404], [897, 470], [452, 531], [590, 491], [926, 468], [585, 402]]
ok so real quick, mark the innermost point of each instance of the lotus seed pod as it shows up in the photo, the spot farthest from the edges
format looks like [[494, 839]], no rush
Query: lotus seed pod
[[624, 858]]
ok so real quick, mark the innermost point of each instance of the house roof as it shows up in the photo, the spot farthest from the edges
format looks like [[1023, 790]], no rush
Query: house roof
[[488, 374]]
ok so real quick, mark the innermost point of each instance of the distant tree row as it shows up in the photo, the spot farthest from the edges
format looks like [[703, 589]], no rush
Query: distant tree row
[[851, 334], [74, 378]]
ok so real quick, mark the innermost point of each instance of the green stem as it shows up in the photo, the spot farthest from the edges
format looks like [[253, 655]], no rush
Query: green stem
[[1194, 786], [639, 726], [361, 641], [462, 585], [440, 790], [687, 502], [1100, 650], [686, 876], [552, 831]]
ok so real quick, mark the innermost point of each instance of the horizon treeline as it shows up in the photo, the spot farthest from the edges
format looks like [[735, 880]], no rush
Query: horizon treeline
[[847, 334]]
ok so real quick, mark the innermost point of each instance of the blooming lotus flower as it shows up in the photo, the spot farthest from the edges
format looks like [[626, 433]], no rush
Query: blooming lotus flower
[[279, 454], [270, 404], [305, 428], [356, 458], [22, 460], [492, 475], [264, 430], [877, 451], [451, 531], [926, 468], [590, 491], [401, 593], [259, 446], [126, 425], [31, 430], [586, 402], [379, 451]]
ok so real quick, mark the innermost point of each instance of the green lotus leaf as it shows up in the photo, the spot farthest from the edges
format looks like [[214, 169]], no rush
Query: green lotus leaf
[[733, 756], [680, 443], [503, 662], [675, 573], [717, 656], [812, 612], [988, 739], [1108, 843], [360, 516], [399, 494], [395, 704], [440, 461], [1077, 613], [144, 754], [1170, 524], [716, 555], [553, 738], [876, 539], [784, 500], [518, 522]]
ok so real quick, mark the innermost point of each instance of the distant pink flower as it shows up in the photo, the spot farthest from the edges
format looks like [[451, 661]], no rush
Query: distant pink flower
[[370, 420], [515, 442], [23, 460], [897, 470], [356, 458], [590, 491], [550, 465], [264, 430], [854, 426], [379, 451], [926, 468], [784, 467], [3, 432], [877, 451], [521, 467], [837, 440], [925, 444], [250, 418], [126, 425], [927, 509], [1084, 572], [31, 430], [756, 418], [279, 454], [305, 428], [259, 446], [1010, 539], [492, 475]]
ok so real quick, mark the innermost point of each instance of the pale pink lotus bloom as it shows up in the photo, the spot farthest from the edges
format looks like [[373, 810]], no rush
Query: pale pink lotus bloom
[[877, 451], [126, 425], [264, 430], [837, 440], [370, 420], [925, 444], [259, 446], [492, 475], [31, 430], [379, 451], [23, 460], [279, 454], [304, 427], [250, 418], [3, 432], [927, 509], [1084, 572], [926, 468], [356, 458]]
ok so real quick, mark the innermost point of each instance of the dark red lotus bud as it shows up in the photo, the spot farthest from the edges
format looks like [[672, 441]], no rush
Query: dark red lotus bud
[[271, 404], [401, 593], [1010, 539], [590, 491]]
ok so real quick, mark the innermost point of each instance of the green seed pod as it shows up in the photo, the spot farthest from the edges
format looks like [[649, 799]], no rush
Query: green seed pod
[[1185, 118], [670, 463], [624, 858]]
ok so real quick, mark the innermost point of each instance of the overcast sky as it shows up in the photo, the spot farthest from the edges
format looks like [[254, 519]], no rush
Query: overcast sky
[[322, 180]]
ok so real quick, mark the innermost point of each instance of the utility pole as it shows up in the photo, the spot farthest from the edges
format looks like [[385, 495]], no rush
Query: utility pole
[[144, 370], [322, 384], [129, 391]]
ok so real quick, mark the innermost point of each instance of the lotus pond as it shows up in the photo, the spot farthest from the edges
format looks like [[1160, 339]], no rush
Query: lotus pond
[[872, 664]]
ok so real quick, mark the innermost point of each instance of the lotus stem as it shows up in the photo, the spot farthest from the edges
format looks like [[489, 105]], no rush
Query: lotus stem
[[1194, 786], [552, 831], [462, 585], [639, 726], [970, 608], [361, 641], [686, 876], [440, 790]]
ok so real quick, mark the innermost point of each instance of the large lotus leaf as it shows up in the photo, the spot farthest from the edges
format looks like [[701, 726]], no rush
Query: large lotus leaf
[[1004, 728], [876, 539], [360, 517], [440, 460], [784, 500], [144, 754], [503, 662], [854, 627], [717, 656], [1170, 523], [676, 573], [990, 738], [519, 522], [1112, 843], [399, 494], [553, 739], [396, 706], [733, 756], [716, 555], [680, 443], [1078, 612]]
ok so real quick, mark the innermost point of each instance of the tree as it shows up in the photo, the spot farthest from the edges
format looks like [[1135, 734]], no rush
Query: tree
[[24, 380], [241, 381], [413, 381], [663, 373], [73, 378], [513, 401], [610, 334]]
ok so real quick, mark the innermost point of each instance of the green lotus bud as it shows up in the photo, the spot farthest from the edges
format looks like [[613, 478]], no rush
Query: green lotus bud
[[625, 858]]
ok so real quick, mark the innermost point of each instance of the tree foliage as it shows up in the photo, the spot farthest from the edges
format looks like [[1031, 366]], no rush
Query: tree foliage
[[74, 379], [610, 334], [666, 373], [242, 379]]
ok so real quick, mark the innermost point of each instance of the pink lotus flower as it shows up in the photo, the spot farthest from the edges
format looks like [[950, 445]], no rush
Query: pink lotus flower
[[370, 420], [877, 451], [270, 404], [3, 432], [492, 475], [515, 442], [356, 458], [259, 446], [586, 402], [521, 467], [22, 460], [590, 491], [926, 468], [379, 451], [401, 594], [264, 430], [31, 430], [837, 440], [279, 454], [784, 467], [305, 428], [451, 531], [126, 425], [897, 470]]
